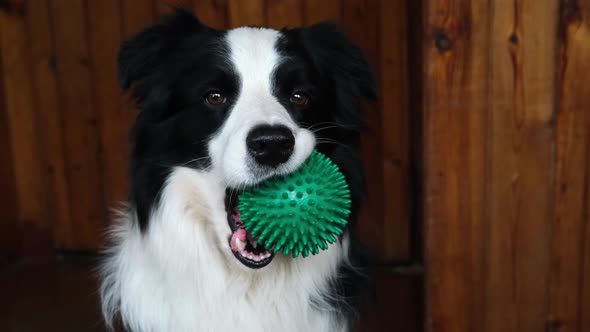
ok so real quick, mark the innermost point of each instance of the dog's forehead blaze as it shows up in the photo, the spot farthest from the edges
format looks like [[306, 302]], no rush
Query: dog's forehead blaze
[[254, 56]]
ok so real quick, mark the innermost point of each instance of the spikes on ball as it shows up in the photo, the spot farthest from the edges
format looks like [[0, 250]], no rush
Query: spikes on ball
[[300, 212]]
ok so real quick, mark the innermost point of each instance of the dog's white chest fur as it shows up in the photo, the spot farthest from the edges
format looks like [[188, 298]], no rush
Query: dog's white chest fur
[[180, 275]]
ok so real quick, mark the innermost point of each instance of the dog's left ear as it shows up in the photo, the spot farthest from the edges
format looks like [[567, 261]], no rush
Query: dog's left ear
[[332, 50], [341, 63]]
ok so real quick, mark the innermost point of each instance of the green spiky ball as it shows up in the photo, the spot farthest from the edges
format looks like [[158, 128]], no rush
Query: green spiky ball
[[301, 212]]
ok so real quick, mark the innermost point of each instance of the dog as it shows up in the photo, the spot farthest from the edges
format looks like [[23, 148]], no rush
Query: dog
[[220, 111]]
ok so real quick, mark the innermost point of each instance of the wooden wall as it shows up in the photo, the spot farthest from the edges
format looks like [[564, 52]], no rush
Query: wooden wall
[[67, 124], [482, 126], [507, 165], [64, 124]]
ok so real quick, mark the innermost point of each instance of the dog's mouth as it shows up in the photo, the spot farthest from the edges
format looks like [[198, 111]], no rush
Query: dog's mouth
[[245, 248]]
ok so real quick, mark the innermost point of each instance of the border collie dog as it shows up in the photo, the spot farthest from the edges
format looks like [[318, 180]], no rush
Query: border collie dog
[[221, 111]]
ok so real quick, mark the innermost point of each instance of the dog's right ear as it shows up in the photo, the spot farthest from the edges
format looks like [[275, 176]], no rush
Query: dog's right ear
[[141, 55]]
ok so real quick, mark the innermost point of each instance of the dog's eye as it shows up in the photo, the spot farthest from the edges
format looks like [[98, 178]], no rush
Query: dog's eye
[[299, 99], [215, 97]]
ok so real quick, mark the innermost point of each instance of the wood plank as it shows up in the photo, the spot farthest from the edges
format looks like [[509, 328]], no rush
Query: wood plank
[[316, 11], [9, 237], [395, 131], [415, 28], [46, 100], [359, 22], [22, 121], [571, 176], [168, 6], [104, 22], [521, 163], [137, 15], [214, 13], [455, 110], [284, 13], [246, 13], [584, 318], [81, 135]]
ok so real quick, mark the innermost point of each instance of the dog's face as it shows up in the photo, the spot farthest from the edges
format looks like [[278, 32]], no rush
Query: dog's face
[[244, 105], [260, 136]]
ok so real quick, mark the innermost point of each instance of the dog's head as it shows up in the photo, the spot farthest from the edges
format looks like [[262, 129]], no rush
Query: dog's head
[[244, 104]]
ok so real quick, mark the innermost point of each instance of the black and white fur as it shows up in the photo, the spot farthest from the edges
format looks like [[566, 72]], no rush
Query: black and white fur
[[170, 266]]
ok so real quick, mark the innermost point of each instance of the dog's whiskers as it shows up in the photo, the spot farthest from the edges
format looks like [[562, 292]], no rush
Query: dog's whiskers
[[194, 161], [333, 125], [323, 128], [333, 142], [322, 123]]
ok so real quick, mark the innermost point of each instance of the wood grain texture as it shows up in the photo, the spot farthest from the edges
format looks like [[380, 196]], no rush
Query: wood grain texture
[[250, 12], [454, 109], [578, 39], [9, 238], [316, 11], [522, 60], [416, 77], [46, 101], [71, 48], [212, 12], [506, 165], [168, 6], [22, 119], [104, 37], [358, 20], [395, 130], [136, 15], [584, 318], [284, 13], [82, 146], [571, 176]]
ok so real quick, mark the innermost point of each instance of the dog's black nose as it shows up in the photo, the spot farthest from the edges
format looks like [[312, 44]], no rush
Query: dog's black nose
[[270, 145]]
